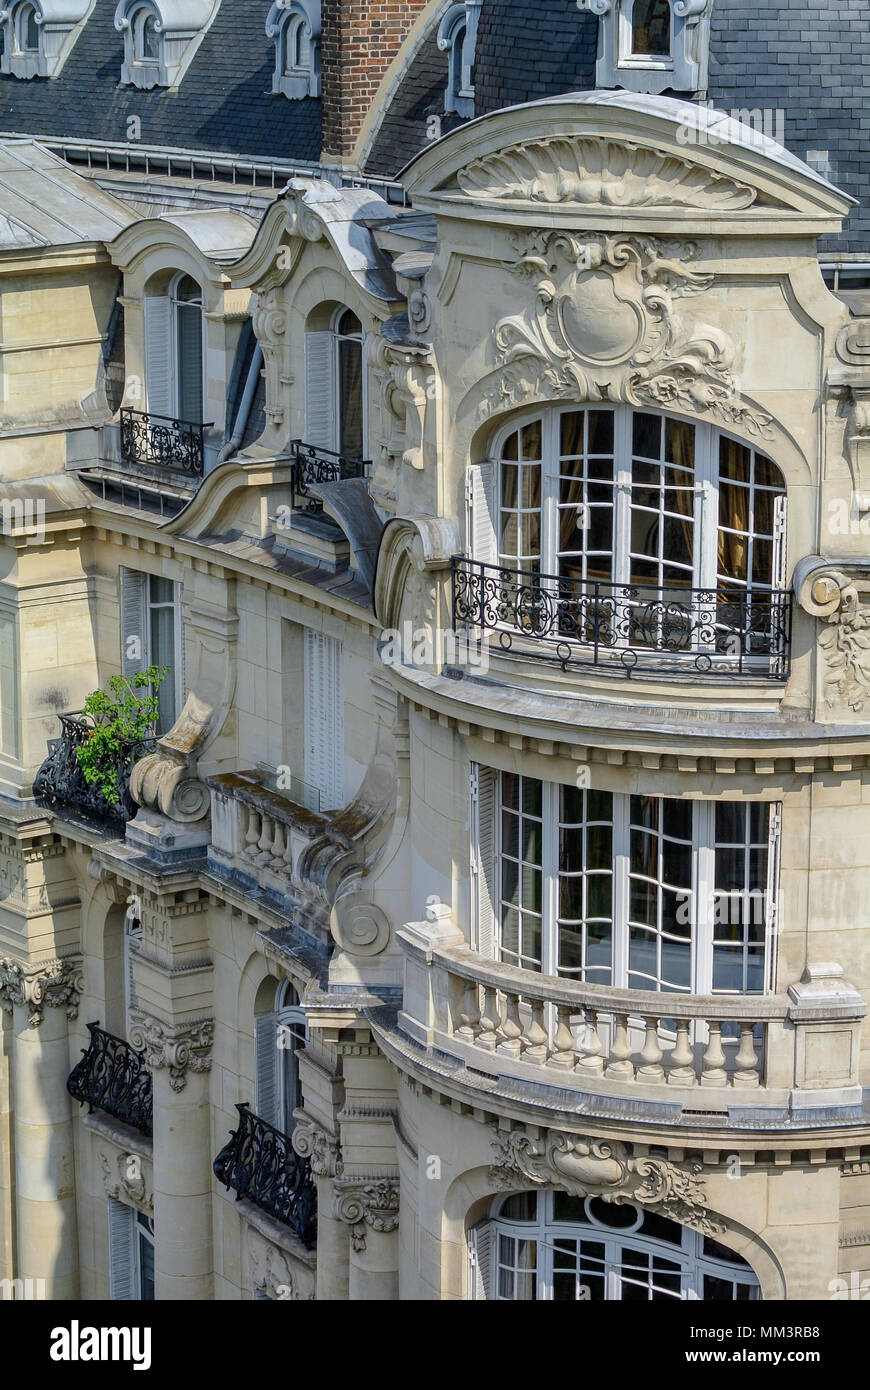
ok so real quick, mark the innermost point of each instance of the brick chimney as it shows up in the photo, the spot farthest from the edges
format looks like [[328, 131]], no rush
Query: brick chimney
[[360, 38]]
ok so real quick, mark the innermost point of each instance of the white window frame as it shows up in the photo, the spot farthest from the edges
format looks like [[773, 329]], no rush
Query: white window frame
[[162, 365], [700, 895], [132, 944], [692, 1261], [58, 24], [137, 606], [295, 81], [457, 37], [686, 70], [323, 425], [276, 1063], [128, 1228]]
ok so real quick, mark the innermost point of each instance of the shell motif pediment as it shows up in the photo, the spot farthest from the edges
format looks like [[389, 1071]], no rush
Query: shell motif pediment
[[590, 171]]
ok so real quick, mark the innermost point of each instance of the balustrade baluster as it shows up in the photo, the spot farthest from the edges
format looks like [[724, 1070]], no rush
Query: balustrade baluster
[[252, 834], [490, 1019], [469, 1011], [591, 1061], [651, 1055], [264, 844], [746, 1062], [682, 1069], [511, 1029], [714, 1073], [535, 1035], [562, 1056], [620, 1065], [276, 849]]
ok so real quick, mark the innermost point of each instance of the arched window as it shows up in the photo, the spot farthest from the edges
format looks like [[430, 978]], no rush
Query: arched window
[[294, 27], [174, 351], [550, 1246], [640, 530], [27, 29], [146, 41], [651, 28], [457, 37], [279, 1036], [334, 386], [132, 942]]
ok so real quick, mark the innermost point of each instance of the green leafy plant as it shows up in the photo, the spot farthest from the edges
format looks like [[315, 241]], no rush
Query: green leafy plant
[[122, 719]]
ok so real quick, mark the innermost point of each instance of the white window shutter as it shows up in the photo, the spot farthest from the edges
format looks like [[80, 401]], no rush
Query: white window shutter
[[122, 1251], [134, 621], [132, 938], [771, 923], [480, 1239], [780, 519], [482, 493], [266, 1068], [484, 815], [179, 668], [321, 405], [324, 718], [158, 354]]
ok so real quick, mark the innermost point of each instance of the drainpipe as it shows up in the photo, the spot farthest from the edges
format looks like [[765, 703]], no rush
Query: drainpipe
[[244, 408]]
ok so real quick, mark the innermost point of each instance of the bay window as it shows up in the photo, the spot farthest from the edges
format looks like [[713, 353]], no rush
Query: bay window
[[623, 530], [625, 890], [554, 1247]]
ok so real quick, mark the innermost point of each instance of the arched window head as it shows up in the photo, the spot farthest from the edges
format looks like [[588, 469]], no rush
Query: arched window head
[[160, 38], [294, 28], [457, 37], [26, 29], [335, 415], [652, 45], [146, 41]]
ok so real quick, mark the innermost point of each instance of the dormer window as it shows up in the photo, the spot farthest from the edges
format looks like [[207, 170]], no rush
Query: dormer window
[[26, 29], [652, 45], [294, 25], [457, 37], [22, 42], [37, 36], [160, 38]]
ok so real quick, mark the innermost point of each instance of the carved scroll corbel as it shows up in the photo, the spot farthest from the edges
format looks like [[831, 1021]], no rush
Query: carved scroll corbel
[[838, 592], [853, 350]]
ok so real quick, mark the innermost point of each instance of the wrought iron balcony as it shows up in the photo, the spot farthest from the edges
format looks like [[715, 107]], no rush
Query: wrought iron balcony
[[315, 465], [112, 1076], [158, 441], [723, 631], [259, 1163], [60, 782]]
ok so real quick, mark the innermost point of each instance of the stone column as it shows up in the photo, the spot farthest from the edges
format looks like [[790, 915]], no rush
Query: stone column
[[42, 998], [180, 1059], [7, 1179], [370, 1206], [310, 1140]]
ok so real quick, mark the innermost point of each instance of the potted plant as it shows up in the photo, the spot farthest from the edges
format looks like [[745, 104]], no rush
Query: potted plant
[[123, 720]]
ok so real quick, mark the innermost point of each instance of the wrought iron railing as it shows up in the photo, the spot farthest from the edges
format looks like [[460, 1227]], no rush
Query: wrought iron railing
[[60, 782], [315, 465], [259, 1163], [161, 442], [729, 631], [112, 1076]]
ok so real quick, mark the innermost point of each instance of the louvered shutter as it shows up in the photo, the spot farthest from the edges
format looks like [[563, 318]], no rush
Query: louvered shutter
[[134, 621], [132, 937], [266, 1067], [480, 1242], [484, 793], [482, 492], [324, 718], [179, 668], [780, 518], [158, 354], [772, 896], [321, 405], [122, 1251]]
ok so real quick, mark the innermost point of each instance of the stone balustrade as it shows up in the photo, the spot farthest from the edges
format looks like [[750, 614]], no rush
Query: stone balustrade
[[258, 835], [799, 1049]]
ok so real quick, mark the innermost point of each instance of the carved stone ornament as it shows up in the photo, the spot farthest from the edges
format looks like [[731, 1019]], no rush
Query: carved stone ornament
[[851, 383], [310, 1140], [405, 387], [126, 1178], [594, 171], [842, 600], [176, 1049], [270, 327], [58, 984], [599, 1168], [362, 1204], [270, 1273], [602, 325]]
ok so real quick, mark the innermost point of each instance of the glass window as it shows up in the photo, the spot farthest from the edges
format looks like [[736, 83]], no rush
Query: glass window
[[144, 1256], [145, 38], [187, 301], [350, 385], [638, 892], [296, 45], [651, 28], [27, 29], [161, 649], [551, 1247]]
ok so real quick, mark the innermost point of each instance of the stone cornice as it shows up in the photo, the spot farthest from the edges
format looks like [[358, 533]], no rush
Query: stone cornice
[[176, 1048], [53, 984]]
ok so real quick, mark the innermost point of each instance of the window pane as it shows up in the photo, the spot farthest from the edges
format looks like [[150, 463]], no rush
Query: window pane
[[350, 398], [651, 27]]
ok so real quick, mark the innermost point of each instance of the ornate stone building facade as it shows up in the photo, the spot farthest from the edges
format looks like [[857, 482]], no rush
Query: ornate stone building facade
[[483, 919]]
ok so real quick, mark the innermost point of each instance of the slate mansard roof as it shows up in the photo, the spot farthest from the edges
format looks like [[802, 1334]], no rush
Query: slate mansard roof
[[224, 102]]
